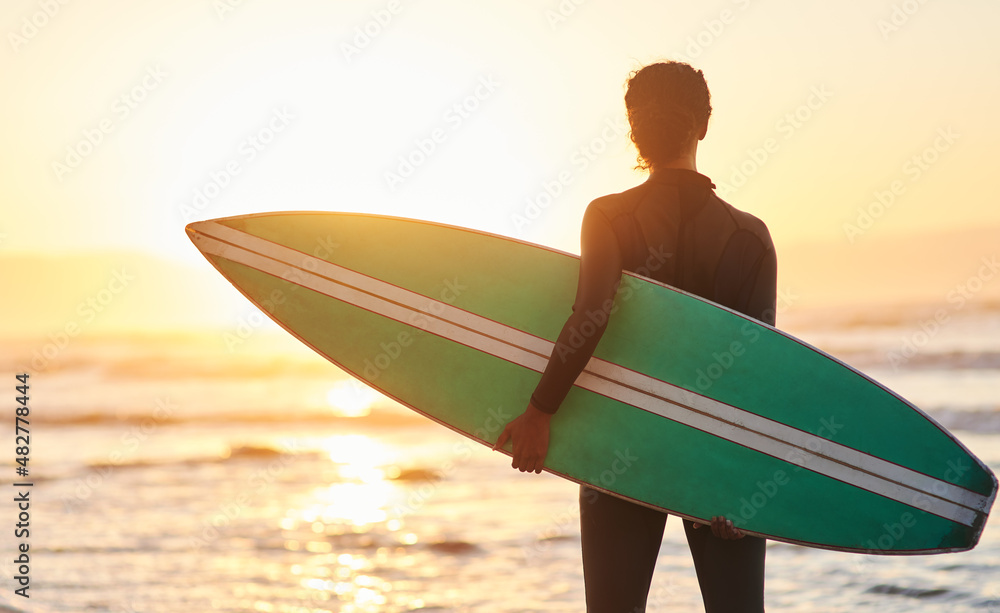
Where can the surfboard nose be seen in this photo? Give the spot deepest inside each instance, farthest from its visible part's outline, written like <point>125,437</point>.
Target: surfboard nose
<point>196,227</point>
<point>199,231</point>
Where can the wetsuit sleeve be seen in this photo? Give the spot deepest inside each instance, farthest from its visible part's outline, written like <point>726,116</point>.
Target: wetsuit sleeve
<point>600,274</point>
<point>762,304</point>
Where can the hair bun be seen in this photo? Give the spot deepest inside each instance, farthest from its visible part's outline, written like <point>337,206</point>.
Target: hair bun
<point>667,105</point>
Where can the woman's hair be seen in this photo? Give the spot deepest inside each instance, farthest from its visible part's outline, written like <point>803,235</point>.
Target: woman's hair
<point>668,104</point>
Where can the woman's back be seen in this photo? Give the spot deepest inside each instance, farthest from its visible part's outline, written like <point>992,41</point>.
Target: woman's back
<point>673,228</point>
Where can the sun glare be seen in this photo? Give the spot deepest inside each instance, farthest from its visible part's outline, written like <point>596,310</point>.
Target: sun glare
<point>351,399</point>
<point>361,497</point>
<point>357,504</point>
<point>357,449</point>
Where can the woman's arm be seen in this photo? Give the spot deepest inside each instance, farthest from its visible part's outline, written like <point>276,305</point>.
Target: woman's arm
<point>600,274</point>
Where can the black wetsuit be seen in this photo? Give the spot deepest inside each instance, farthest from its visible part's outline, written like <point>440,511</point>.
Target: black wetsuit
<point>672,228</point>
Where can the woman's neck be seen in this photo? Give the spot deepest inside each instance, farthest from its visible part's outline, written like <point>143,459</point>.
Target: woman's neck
<point>685,160</point>
<point>682,163</point>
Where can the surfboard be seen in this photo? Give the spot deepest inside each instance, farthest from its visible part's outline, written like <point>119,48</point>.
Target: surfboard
<point>686,406</point>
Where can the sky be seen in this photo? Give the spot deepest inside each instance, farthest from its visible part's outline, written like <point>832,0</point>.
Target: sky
<point>846,125</point>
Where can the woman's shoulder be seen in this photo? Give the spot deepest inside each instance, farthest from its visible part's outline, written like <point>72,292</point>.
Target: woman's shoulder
<point>745,221</point>
<point>620,203</point>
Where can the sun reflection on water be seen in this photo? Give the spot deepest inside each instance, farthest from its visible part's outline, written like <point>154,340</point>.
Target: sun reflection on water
<point>356,505</point>
<point>359,498</point>
<point>357,450</point>
<point>351,399</point>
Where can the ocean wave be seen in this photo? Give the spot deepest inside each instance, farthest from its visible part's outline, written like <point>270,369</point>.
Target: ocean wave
<point>453,547</point>
<point>412,474</point>
<point>349,537</point>
<point>911,592</point>
<point>954,360</point>
<point>868,358</point>
<point>6,607</point>
<point>97,419</point>
<point>377,418</point>
<point>882,316</point>
<point>985,420</point>
<point>235,454</point>
<point>245,453</point>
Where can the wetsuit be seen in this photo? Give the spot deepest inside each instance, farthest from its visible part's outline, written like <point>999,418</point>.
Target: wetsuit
<point>675,229</point>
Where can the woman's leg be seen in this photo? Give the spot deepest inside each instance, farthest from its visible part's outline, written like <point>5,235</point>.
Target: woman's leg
<point>620,541</point>
<point>730,572</point>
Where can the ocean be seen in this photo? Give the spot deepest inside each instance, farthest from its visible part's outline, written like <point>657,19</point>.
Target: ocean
<point>216,471</point>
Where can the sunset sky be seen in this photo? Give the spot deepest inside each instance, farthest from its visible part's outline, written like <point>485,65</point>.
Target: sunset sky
<point>844,125</point>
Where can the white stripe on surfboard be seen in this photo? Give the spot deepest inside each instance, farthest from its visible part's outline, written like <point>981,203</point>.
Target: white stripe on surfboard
<point>741,427</point>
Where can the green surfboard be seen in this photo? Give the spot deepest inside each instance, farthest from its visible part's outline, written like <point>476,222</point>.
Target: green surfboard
<point>702,412</point>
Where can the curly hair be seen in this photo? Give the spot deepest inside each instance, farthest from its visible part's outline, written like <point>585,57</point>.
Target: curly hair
<point>668,105</point>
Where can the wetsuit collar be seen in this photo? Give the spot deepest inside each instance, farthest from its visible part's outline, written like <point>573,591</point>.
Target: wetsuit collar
<point>680,176</point>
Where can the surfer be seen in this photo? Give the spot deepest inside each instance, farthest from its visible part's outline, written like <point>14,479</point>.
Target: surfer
<point>675,229</point>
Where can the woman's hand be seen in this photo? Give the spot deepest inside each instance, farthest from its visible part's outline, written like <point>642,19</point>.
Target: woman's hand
<point>724,529</point>
<point>530,435</point>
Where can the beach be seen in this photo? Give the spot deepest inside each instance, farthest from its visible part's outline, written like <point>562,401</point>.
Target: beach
<point>185,473</point>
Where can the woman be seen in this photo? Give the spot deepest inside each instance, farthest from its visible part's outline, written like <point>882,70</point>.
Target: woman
<point>672,228</point>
